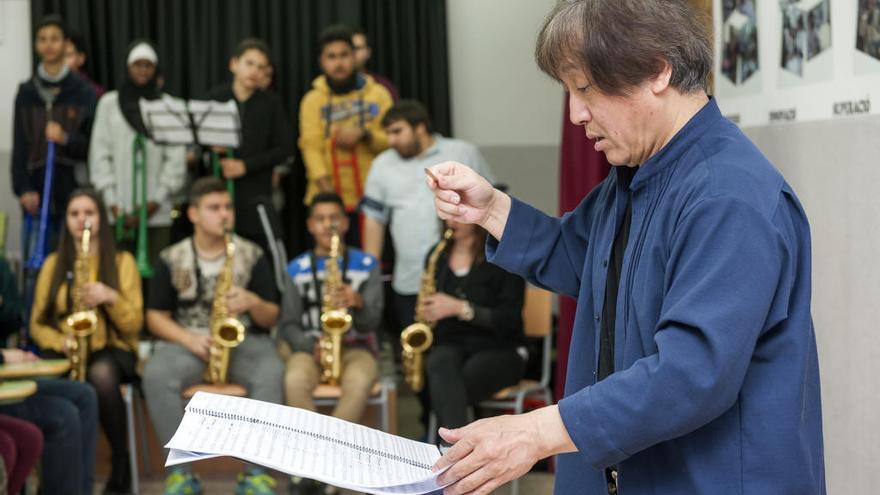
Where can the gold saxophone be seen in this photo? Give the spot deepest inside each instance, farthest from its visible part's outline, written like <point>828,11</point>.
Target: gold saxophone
<point>334,321</point>
<point>82,322</point>
<point>226,331</point>
<point>418,337</point>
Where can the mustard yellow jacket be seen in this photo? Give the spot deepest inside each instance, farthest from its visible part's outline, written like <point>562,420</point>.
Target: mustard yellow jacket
<point>126,313</point>
<point>321,112</point>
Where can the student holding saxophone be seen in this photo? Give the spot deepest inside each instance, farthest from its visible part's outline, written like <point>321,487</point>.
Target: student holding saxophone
<point>136,176</point>
<point>196,286</point>
<point>88,281</point>
<point>329,286</point>
<point>477,309</point>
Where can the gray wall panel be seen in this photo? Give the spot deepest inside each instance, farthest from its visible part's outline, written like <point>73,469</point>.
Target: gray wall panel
<point>833,166</point>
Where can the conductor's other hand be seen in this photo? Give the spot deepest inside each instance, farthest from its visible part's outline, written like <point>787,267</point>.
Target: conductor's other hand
<point>460,193</point>
<point>488,453</point>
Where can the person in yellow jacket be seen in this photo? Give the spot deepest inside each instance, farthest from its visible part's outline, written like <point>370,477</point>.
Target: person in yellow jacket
<point>340,124</point>
<point>115,295</point>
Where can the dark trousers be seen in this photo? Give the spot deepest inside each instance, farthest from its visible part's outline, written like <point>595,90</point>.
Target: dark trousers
<point>353,236</point>
<point>458,379</point>
<point>67,414</point>
<point>109,368</point>
<point>405,309</point>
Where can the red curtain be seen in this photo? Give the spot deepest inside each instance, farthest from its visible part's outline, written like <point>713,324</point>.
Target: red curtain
<point>581,168</point>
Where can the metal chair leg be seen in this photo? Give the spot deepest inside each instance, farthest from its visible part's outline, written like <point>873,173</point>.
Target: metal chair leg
<point>127,397</point>
<point>141,422</point>
<point>431,434</point>
<point>385,414</point>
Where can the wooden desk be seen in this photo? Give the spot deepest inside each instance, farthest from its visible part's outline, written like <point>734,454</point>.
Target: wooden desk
<point>34,369</point>
<point>16,391</point>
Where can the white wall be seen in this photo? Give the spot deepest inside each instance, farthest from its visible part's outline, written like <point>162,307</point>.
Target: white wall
<point>498,95</point>
<point>15,52</point>
<point>500,100</point>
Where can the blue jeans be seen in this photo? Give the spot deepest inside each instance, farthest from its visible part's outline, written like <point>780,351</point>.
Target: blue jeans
<point>67,414</point>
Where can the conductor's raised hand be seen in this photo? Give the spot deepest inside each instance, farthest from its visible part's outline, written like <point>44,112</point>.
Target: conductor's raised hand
<point>463,195</point>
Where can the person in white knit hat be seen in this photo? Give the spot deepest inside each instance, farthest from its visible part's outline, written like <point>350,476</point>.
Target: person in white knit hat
<point>118,130</point>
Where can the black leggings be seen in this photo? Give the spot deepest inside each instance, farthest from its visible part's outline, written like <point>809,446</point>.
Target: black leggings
<point>108,368</point>
<point>458,379</point>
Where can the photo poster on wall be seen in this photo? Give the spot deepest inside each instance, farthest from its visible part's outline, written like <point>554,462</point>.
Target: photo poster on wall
<point>780,61</point>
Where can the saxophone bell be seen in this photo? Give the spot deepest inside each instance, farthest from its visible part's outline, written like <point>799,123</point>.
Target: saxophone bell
<point>82,323</point>
<point>229,332</point>
<point>417,337</point>
<point>336,321</point>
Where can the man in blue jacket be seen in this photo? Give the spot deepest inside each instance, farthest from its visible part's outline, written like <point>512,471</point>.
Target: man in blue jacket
<point>693,363</point>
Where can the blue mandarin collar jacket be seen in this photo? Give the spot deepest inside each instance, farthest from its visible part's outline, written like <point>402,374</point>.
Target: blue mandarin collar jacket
<point>716,382</point>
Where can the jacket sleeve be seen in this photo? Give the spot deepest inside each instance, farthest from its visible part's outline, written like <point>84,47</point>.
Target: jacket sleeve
<point>311,137</point>
<point>374,203</point>
<point>290,328</point>
<point>378,139</point>
<point>367,318</point>
<point>714,309</point>
<point>504,317</point>
<point>172,173</point>
<point>280,150</point>
<point>127,313</point>
<point>45,336</point>
<point>10,301</point>
<point>545,250</point>
<point>101,169</point>
<point>21,182</point>
<point>77,145</point>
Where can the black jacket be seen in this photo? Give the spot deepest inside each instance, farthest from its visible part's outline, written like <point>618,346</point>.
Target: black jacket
<point>497,298</point>
<point>266,141</point>
<point>74,109</point>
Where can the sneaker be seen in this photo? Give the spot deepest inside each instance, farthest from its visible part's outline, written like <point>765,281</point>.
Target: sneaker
<point>301,486</point>
<point>255,482</point>
<point>325,489</point>
<point>181,482</point>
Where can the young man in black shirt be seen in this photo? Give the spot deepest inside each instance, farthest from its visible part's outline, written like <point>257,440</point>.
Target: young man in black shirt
<point>266,139</point>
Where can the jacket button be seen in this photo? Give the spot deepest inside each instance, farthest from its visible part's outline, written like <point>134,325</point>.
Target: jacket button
<point>604,262</point>
<point>596,317</point>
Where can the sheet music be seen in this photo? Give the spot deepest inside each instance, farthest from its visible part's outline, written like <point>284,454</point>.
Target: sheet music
<point>303,443</point>
<point>217,123</point>
<point>167,120</point>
